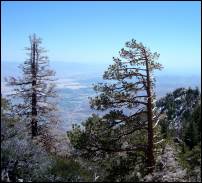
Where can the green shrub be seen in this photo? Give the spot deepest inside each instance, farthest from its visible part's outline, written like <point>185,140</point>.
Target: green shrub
<point>69,170</point>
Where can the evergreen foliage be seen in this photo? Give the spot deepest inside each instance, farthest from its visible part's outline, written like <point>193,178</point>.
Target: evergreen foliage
<point>128,103</point>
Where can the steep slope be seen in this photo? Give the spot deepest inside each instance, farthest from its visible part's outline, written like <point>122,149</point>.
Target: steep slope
<point>167,168</point>
<point>178,107</point>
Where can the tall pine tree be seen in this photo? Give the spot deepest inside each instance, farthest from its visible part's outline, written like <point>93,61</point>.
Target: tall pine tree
<point>35,88</point>
<point>128,103</point>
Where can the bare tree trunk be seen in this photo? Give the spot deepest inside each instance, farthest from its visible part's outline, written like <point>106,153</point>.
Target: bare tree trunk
<point>34,99</point>
<point>150,155</point>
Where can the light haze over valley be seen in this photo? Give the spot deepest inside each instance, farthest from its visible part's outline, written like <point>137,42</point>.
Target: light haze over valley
<point>75,81</point>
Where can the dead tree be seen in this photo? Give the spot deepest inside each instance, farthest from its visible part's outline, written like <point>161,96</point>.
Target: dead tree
<point>36,88</point>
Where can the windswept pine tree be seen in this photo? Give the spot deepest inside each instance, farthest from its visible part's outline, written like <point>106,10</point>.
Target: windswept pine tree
<point>128,104</point>
<point>35,88</point>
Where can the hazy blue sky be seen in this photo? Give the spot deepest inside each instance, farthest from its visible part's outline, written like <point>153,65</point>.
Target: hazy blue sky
<point>94,32</point>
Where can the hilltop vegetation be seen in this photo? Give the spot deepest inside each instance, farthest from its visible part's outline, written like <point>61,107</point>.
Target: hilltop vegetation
<point>178,157</point>
<point>35,164</point>
<point>183,123</point>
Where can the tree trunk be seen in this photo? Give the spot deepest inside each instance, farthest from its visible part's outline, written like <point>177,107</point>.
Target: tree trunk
<point>34,99</point>
<point>150,155</point>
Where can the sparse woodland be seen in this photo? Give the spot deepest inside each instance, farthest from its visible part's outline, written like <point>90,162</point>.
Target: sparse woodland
<point>136,138</point>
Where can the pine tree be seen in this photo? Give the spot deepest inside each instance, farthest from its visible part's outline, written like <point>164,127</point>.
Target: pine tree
<point>35,88</point>
<point>128,103</point>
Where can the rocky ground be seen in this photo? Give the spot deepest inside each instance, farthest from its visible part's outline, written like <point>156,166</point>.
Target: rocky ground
<point>168,168</point>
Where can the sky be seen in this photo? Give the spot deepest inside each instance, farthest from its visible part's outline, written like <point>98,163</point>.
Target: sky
<point>94,32</point>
